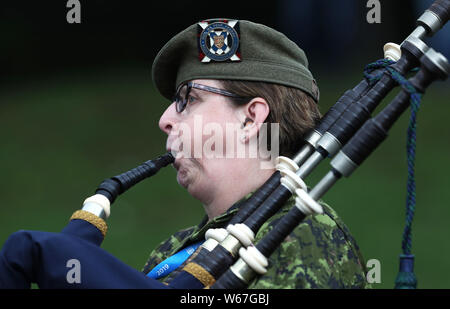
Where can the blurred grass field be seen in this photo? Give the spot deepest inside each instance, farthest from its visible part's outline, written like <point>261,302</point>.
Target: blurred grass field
<point>62,135</point>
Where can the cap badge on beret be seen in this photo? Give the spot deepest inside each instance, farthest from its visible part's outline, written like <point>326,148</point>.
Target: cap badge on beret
<point>218,40</point>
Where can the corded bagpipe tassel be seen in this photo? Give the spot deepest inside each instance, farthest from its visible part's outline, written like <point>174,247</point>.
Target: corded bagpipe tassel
<point>406,278</point>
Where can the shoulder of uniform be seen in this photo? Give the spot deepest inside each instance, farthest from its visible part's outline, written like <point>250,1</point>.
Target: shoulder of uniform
<point>313,253</point>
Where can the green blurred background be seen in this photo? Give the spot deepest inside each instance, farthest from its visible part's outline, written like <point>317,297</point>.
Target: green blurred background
<point>77,105</point>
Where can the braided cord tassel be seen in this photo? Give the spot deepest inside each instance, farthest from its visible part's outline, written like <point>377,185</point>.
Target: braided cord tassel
<point>406,279</point>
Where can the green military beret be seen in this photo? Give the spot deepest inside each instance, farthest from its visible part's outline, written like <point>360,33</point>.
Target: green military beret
<point>233,50</point>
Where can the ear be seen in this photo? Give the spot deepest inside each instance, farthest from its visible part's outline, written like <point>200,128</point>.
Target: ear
<point>257,111</point>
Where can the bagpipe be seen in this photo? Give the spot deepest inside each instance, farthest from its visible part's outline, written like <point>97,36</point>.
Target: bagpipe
<point>229,258</point>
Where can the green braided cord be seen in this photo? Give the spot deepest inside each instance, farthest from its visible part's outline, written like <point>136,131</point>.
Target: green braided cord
<point>406,278</point>
<point>381,63</point>
<point>411,184</point>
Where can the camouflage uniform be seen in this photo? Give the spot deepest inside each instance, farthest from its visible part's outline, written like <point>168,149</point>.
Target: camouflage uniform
<point>319,253</point>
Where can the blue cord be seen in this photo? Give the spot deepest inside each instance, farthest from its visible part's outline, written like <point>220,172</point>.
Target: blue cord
<point>406,279</point>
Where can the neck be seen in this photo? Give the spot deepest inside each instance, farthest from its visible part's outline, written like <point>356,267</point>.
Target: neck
<point>235,187</point>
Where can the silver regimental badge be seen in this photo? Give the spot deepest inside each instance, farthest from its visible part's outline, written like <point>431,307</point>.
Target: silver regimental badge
<point>218,40</point>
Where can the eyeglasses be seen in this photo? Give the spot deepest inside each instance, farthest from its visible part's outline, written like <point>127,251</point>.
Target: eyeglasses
<point>182,95</point>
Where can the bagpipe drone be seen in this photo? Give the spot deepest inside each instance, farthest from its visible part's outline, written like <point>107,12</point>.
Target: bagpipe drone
<point>229,258</point>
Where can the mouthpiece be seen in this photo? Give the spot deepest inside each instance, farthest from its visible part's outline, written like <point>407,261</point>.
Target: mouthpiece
<point>114,186</point>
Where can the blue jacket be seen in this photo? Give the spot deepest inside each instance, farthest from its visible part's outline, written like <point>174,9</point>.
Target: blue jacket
<point>71,259</point>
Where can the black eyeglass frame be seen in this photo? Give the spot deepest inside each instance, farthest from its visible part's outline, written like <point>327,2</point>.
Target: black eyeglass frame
<point>181,103</point>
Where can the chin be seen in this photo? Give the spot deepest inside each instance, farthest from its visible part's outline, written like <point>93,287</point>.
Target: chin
<point>187,182</point>
<point>182,178</point>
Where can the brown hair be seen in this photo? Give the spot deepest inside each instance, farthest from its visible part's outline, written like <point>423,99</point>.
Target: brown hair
<point>294,110</point>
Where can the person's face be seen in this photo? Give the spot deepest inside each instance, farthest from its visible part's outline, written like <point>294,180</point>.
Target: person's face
<point>198,134</point>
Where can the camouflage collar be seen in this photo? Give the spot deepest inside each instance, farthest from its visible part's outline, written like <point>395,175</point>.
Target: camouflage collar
<point>197,233</point>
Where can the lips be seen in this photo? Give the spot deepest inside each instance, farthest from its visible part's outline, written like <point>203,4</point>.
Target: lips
<point>176,163</point>
<point>173,152</point>
<point>175,147</point>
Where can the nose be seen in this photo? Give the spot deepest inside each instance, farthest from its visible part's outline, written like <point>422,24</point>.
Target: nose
<point>168,119</point>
